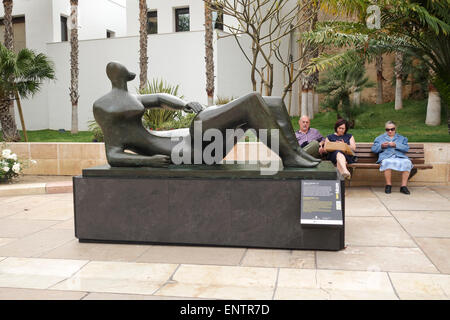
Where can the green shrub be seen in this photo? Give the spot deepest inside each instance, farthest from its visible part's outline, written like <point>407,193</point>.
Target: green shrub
<point>223,100</point>
<point>177,123</point>
<point>154,118</point>
<point>96,131</point>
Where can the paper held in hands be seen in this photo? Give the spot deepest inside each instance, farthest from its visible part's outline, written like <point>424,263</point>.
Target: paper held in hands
<point>339,146</point>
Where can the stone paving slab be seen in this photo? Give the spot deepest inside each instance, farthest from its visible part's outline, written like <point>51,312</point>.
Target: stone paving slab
<point>438,251</point>
<point>19,228</point>
<point>4,241</point>
<point>59,187</point>
<point>302,259</point>
<point>442,190</point>
<point>192,255</point>
<point>421,198</point>
<point>425,223</point>
<point>116,296</point>
<point>96,251</point>
<point>221,282</point>
<point>376,231</point>
<point>35,294</point>
<point>54,210</point>
<point>359,192</point>
<point>36,244</point>
<point>376,259</point>
<point>365,207</point>
<point>333,284</point>
<point>36,273</point>
<point>27,203</point>
<point>68,225</point>
<point>421,286</point>
<point>409,246</point>
<point>119,277</point>
<point>22,189</point>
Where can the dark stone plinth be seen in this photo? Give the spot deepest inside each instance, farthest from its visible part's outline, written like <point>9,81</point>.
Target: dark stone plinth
<point>228,205</point>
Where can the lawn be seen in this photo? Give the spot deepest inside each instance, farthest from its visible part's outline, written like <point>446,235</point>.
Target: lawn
<point>369,124</point>
<point>56,136</point>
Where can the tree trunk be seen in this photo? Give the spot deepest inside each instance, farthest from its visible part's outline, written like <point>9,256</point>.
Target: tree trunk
<point>143,38</point>
<point>8,122</point>
<point>22,120</point>
<point>310,103</point>
<point>398,81</point>
<point>307,52</point>
<point>379,67</point>
<point>357,98</point>
<point>434,107</point>
<point>316,102</point>
<point>9,127</point>
<point>74,64</point>
<point>304,103</point>
<point>209,51</point>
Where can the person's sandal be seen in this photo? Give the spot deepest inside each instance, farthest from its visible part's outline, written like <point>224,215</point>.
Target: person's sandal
<point>404,190</point>
<point>387,189</point>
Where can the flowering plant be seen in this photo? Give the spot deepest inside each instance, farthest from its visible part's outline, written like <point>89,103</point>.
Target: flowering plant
<point>10,166</point>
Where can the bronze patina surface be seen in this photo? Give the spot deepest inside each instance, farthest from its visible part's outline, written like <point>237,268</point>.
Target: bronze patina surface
<point>119,114</point>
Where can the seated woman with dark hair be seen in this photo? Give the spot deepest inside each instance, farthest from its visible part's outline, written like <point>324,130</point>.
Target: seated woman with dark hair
<point>339,158</point>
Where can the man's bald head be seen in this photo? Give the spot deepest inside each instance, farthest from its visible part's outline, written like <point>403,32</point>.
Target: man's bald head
<point>304,123</point>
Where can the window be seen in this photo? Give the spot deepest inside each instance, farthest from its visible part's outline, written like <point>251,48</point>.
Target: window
<point>152,22</point>
<point>217,14</point>
<point>64,35</point>
<point>19,32</point>
<point>182,19</point>
<point>110,34</point>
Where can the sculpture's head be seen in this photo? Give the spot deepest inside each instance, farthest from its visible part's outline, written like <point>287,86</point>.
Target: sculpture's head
<point>117,72</point>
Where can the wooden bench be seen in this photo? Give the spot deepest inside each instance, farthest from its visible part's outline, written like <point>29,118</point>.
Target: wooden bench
<point>367,159</point>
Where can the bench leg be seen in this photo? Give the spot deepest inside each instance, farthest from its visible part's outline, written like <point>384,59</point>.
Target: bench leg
<point>412,173</point>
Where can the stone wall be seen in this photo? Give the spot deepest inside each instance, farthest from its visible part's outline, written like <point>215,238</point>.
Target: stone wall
<point>70,158</point>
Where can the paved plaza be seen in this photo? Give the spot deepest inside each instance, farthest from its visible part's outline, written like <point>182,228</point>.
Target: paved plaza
<point>398,247</point>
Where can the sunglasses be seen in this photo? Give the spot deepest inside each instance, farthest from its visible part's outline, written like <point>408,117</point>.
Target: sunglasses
<point>391,129</point>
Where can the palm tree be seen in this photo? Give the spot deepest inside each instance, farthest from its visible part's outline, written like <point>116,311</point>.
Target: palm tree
<point>7,119</point>
<point>143,39</point>
<point>308,51</point>
<point>28,70</point>
<point>209,58</point>
<point>420,28</point>
<point>74,96</point>
<point>398,80</point>
<point>380,78</point>
<point>339,84</point>
<point>358,8</point>
<point>433,117</point>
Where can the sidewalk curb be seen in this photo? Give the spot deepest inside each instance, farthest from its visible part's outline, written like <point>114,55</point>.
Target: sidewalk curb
<point>35,188</point>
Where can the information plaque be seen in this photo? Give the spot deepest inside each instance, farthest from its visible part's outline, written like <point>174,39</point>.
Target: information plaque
<point>321,202</point>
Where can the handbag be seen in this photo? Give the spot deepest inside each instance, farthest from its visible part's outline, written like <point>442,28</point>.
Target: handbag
<point>338,146</point>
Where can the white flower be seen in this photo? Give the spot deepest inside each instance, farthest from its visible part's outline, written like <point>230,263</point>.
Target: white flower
<point>16,168</point>
<point>6,169</point>
<point>6,153</point>
<point>13,156</point>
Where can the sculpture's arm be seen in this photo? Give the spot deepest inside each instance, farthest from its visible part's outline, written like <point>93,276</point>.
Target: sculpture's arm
<point>161,100</point>
<point>167,101</point>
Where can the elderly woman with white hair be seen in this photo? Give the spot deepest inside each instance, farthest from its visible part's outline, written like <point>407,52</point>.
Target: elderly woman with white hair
<point>392,149</point>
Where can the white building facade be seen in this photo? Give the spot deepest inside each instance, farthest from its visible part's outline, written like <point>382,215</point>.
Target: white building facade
<point>177,57</point>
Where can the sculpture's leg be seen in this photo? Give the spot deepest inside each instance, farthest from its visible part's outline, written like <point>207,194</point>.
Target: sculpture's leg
<point>279,112</point>
<point>118,158</point>
<point>250,111</point>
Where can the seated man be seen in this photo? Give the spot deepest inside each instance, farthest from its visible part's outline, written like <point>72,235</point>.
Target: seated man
<point>310,139</point>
